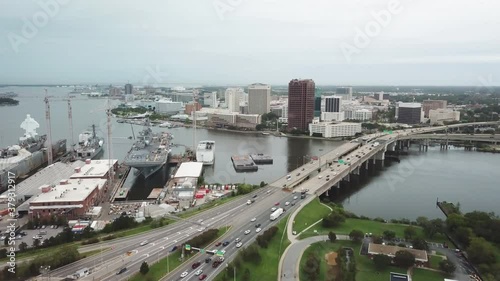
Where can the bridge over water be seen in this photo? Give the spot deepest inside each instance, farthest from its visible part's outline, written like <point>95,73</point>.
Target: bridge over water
<point>350,158</point>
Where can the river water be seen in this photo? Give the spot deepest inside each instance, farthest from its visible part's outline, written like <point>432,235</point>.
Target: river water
<point>400,190</point>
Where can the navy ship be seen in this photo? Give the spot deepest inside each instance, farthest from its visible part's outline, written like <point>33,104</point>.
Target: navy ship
<point>150,152</point>
<point>30,154</point>
<point>89,145</point>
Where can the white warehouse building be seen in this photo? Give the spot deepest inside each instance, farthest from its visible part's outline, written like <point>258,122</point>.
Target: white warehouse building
<point>334,129</point>
<point>439,116</point>
<point>167,106</point>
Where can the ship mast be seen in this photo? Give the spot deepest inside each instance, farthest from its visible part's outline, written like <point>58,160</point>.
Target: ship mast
<point>49,134</point>
<point>70,118</point>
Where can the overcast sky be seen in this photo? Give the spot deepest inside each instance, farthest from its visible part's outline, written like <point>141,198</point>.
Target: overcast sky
<point>424,42</point>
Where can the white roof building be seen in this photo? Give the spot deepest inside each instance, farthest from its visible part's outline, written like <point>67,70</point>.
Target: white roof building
<point>94,169</point>
<point>75,190</point>
<point>189,170</point>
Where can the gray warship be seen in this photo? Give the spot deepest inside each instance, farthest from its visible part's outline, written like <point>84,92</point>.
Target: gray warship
<point>150,152</point>
<point>29,155</point>
<point>89,145</point>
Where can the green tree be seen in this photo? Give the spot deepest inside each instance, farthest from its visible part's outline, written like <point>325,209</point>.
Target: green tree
<point>420,244</point>
<point>262,184</point>
<point>144,268</point>
<point>421,221</point>
<point>332,236</point>
<point>454,221</point>
<point>481,251</point>
<point>389,234</point>
<point>433,227</point>
<point>410,232</point>
<point>404,259</point>
<point>381,262</point>
<point>356,235</point>
<point>464,235</point>
<point>447,266</point>
<point>246,275</point>
<point>311,268</point>
<point>23,246</point>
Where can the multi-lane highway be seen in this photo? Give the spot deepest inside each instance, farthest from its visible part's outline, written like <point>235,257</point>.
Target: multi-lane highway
<point>261,212</point>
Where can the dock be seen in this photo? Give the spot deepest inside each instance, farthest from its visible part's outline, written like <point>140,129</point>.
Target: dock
<point>244,163</point>
<point>261,159</point>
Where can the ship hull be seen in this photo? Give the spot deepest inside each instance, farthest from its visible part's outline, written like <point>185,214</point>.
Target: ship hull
<point>80,155</point>
<point>28,165</point>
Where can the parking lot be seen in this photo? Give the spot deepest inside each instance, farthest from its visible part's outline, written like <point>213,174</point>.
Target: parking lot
<point>45,233</point>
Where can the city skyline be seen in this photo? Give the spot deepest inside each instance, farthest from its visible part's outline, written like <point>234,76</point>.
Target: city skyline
<point>215,44</point>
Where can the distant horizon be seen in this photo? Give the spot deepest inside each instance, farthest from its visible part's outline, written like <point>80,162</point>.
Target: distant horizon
<point>169,85</point>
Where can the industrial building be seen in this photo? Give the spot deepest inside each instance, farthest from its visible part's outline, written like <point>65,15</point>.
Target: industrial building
<point>185,179</point>
<point>334,129</point>
<point>421,257</point>
<point>71,198</point>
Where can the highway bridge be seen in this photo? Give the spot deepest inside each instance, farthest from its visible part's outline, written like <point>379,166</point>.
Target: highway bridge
<point>316,176</point>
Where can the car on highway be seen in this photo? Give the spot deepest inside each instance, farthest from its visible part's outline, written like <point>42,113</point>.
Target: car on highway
<point>293,203</point>
<point>277,204</point>
<point>253,219</point>
<point>247,232</point>
<point>123,269</point>
<point>184,274</point>
<point>145,242</point>
<point>207,260</point>
<point>199,272</point>
<point>320,177</point>
<point>257,225</point>
<point>202,277</point>
<point>239,245</point>
<point>295,198</point>
<point>195,265</point>
<point>298,174</point>
<point>273,209</point>
<point>216,264</point>
<point>237,240</point>
<point>255,196</point>
<point>258,230</point>
<point>287,203</point>
<point>218,244</point>
<point>173,249</point>
<point>225,243</point>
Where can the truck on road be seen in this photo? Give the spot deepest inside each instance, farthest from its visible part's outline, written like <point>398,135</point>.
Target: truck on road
<point>276,214</point>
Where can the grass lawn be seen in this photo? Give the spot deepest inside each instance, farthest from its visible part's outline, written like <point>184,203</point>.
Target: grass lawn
<point>320,249</point>
<point>310,214</point>
<point>434,261</point>
<point>198,209</point>
<point>368,226</point>
<point>158,270</point>
<point>267,270</point>
<point>426,275</point>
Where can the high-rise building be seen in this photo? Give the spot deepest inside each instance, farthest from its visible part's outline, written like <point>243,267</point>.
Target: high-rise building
<point>210,99</point>
<point>331,103</point>
<point>259,98</point>
<point>300,104</point>
<point>345,92</point>
<point>128,89</point>
<point>233,99</point>
<point>433,104</point>
<point>409,113</point>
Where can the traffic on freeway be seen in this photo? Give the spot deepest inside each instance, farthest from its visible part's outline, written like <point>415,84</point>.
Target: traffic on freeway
<point>240,237</point>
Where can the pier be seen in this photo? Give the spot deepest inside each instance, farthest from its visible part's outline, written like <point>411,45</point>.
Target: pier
<point>244,163</point>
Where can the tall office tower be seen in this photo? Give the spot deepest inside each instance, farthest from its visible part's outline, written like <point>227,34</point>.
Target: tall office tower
<point>345,92</point>
<point>233,99</point>
<point>331,108</point>
<point>300,104</point>
<point>409,113</point>
<point>259,98</point>
<point>128,89</point>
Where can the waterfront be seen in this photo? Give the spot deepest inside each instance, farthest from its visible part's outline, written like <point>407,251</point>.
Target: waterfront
<point>409,189</point>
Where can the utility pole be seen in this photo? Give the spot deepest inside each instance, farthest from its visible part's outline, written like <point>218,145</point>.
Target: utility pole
<point>49,134</point>
<point>110,155</point>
